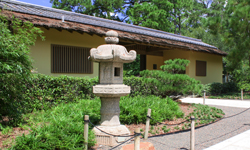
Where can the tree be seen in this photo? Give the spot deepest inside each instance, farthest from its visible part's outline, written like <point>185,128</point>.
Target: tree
<point>153,14</point>
<point>237,34</point>
<point>15,64</point>
<point>100,8</point>
<point>166,15</point>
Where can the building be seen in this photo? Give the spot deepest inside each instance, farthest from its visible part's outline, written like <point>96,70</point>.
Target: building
<point>69,37</point>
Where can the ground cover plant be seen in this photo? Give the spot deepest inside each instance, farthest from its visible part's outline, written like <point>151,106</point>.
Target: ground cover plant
<point>234,95</point>
<point>205,112</point>
<point>61,127</point>
<point>133,110</point>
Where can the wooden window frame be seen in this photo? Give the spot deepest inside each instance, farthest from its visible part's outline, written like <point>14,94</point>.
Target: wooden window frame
<point>201,68</point>
<point>70,59</point>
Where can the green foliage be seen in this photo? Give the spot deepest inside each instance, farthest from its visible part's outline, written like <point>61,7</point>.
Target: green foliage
<point>166,15</point>
<point>61,127</point>
<point>205,112</point>
<point>132,68</point>
<point>233,95</point>
<point>237,33</point>
<point>44,92</point>
<point>166,83</point>
<point>165,130</point>
<point>15,64</point>
<point>100,8</point>
<point>133,110</point>
<point>47,91</point>
<point>215,88</point>
<point>221,88</point>
<point>175,66</point>
<point>152,14</point>
<point>137,86</point>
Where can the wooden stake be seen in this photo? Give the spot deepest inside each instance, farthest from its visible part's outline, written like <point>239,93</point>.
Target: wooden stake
<point>147,124</point>
<point>242,94</point>
<point>137,139</point>
<point>192,138</point>
<point>86,130</point>
<point>204,96</point>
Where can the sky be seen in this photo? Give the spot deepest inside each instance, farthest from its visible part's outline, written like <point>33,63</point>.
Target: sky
<point>38,2</point>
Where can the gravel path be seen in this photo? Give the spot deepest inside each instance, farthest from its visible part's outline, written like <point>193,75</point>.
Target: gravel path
<point>205,136</point>
<point>208,135</point>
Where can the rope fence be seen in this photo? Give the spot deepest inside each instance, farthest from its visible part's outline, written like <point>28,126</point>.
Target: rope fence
<point>137,133</point>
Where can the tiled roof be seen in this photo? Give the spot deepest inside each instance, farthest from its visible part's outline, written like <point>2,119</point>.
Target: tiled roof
<point>53,13</point>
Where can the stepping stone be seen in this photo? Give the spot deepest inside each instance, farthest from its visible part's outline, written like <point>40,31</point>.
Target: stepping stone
<point>143,146</point>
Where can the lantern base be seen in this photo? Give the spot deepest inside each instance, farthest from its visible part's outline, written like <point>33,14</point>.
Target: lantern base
<point>106,139</point>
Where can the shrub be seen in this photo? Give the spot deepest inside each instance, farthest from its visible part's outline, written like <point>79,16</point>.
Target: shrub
<point>61,127</point>
<point>229,87</point>
<point>137,86</point>
<point>47,91</point>
<point>219,88</point>
<point>215,88</point>
<point>15,64</point>
<point>171,80</point>
<point>134,110</point>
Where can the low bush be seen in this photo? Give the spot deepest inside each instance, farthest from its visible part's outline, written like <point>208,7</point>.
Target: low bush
<point>47,91</point>
<point>205,112</point>
<point>138,87</point>
<point>215,88</point>
<point>221,88</point>
<point>61,127</point>
<point>134,110</point>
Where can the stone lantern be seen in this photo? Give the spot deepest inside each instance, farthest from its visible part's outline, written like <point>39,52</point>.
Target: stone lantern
<point>110,88</point>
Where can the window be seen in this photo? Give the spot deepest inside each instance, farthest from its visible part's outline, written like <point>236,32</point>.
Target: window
<point>70,59</point>
<point>117,72</point>
<point>154,66</point>
<point>201,68</point>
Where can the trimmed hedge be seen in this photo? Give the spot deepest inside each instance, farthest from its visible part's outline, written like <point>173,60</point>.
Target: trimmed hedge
<point>47,91</point>
<point>44,92</point>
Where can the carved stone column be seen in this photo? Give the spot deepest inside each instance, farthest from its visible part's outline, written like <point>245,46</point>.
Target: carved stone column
<point>110,88</point>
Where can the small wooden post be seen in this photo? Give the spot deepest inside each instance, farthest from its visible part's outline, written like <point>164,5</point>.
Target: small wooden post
<point>192,139</point>
<point>86,130</point>
<point>242,94</point>
<point>204,96</point>
<point>147,124</point>
<point>137,139</point>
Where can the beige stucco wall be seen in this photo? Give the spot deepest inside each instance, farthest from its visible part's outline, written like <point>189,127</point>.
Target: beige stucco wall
<point>150,60</point>
<point>214,67</point>
<point>214,64</point>
<point>41,52</point>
